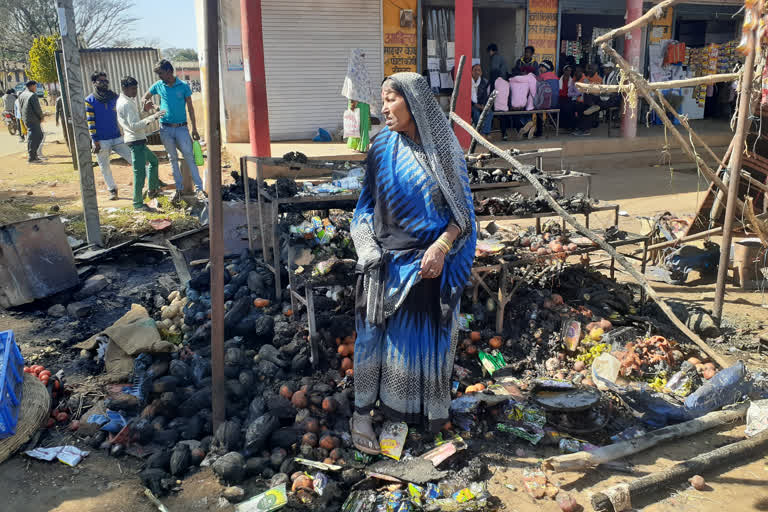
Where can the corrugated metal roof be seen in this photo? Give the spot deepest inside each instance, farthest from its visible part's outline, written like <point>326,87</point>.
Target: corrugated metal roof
<point>117,48</point>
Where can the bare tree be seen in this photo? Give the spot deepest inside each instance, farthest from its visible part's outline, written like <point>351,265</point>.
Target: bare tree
<point>99,22</point>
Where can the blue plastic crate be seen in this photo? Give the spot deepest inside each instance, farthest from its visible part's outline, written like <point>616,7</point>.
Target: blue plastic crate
<point>11,383</point>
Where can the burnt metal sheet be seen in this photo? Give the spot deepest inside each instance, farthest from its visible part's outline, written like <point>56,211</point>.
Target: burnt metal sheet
<point>35,261</point>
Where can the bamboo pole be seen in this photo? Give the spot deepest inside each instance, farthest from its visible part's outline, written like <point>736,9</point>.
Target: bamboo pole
<point>739,452</point>
<point>642,90</point>
<point>734,170</point>
<point>717,205</point>
<point>593,237</point>
<point>582,460</point>
<point>671,84</point>
<point>652,14</point>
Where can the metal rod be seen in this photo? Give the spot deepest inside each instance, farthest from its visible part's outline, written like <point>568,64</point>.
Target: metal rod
<point>247,191</point>
<point>734,168</point>
<point>594,238</point>
<point>215,224</point>
<point>82,138</point>
<point>481,119</point>
<point>457,84</point>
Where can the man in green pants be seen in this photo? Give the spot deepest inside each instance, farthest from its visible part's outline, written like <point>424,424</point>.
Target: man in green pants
<point>134,135</point>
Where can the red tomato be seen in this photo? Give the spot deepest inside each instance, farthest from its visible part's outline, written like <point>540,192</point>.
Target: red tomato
<point>44,380</point>
<point>45,372</point>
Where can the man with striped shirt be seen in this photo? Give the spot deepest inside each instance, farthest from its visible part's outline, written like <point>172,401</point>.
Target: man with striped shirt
<point>101,113</point>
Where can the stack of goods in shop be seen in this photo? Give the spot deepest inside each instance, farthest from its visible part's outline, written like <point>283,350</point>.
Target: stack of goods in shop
<point>571,48</point>
<point>710,60</point>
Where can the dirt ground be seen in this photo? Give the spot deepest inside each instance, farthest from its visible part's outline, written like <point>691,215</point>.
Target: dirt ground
<point>99,483</point>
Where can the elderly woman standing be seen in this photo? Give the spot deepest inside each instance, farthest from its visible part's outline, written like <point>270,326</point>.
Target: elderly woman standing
<point>414,231</point>
<point>358,90</point>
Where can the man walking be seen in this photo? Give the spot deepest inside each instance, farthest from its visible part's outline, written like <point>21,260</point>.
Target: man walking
<point>175,100</point>
<point>101,114</point>
<point>32,116</point>
<point>135,130</point>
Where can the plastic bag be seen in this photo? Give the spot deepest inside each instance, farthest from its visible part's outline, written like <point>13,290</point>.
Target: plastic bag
<point>725,388</point>
<point>352,123</point>
<point>757,418</point>
<point>198,151</point>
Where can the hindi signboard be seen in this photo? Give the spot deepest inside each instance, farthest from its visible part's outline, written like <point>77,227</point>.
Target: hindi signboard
<point>543,29</point>
<point>399,32</point>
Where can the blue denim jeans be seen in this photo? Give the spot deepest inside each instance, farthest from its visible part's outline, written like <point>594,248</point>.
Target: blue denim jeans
<point>174,137</point>
<point>486,128</point>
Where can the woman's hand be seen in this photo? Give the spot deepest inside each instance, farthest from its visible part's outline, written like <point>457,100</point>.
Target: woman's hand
<point>432,263</point>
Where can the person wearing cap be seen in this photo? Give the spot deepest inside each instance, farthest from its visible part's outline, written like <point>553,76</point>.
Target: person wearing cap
<point>32,115</point>
<point>547,75</point>
<point>611,78</point>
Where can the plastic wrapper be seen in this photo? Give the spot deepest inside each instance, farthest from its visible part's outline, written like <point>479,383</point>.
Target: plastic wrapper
<point>392,439</point>
<point>684,381</point>
<point>267,501</point>
<point>360,501</point>
<point>319,483</point>
<point>69,455</point>
<point>491,362</point>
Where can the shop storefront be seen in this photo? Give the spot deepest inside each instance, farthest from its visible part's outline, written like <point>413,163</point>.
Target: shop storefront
<point>703,42</point>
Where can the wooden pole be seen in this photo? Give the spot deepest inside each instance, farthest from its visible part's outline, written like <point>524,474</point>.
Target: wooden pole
<point>457,84</point>
<point>215,224</point>
<point>582,460</point>
<point>65,123</point>
<point>652,14</point>
<point>671,84</point>
<point>739,452</point>
<point>734,172</point>
<point>543,192</point>
<point>717,206</point>
<point>82,139</point>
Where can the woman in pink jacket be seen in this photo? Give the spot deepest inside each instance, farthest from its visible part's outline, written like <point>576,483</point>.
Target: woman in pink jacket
<point>522,90</point>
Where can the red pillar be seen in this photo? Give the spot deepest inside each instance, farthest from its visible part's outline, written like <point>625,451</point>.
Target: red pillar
<point>632,55</point>
<point>255,77</point>
<point>464,47</point>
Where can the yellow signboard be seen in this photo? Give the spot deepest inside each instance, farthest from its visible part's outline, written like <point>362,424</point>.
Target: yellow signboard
<point>542,29</point>
<point>661,28</point>
<point>400,39</point>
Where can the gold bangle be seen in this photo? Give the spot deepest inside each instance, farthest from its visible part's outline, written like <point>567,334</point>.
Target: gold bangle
<point>443,246</point>
<point>447,242</point>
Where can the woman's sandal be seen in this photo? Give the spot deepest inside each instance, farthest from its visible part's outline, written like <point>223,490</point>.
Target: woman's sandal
<point>361,441</point>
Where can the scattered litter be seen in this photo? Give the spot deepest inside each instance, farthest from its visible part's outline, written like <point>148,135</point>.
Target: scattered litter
<point>69,455</point>
<point>273,499</point>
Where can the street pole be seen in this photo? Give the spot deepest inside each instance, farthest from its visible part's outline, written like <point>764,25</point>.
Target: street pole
<point>734,170</point>
<point>215,216</point>
<point>632,55</point>
<point>255,77</point>
<point>82,139</point>
<point>65,123</point>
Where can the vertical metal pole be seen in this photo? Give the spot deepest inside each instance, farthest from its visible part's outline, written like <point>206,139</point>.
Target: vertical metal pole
<point>215,225</point>
<point>734,171</point>
<point>255,77</point>
<point>463,46</point>
<point>82,140</point>
<point>632,44</point>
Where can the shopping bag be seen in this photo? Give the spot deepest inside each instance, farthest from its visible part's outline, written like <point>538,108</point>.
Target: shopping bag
<point>352,123</point>
<point>198,151</point>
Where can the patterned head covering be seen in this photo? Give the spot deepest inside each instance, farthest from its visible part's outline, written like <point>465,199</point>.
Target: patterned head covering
<point>357,83</point>
<point>445,159</point>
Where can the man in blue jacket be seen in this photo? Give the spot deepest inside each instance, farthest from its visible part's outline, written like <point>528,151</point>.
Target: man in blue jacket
<point>101,114</point>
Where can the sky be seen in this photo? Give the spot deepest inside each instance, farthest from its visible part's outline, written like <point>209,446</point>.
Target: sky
<point>172,22</point>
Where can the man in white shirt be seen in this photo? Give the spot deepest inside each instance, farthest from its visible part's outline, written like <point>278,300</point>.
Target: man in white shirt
<point>480,93</point>
<point>135,136</point>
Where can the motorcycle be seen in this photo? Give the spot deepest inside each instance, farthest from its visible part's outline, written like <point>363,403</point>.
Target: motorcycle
<point>10,122</point>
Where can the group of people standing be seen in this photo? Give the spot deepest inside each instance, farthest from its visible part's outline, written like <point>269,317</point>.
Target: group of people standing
<point>535,86</point>
<point>109,113</point>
